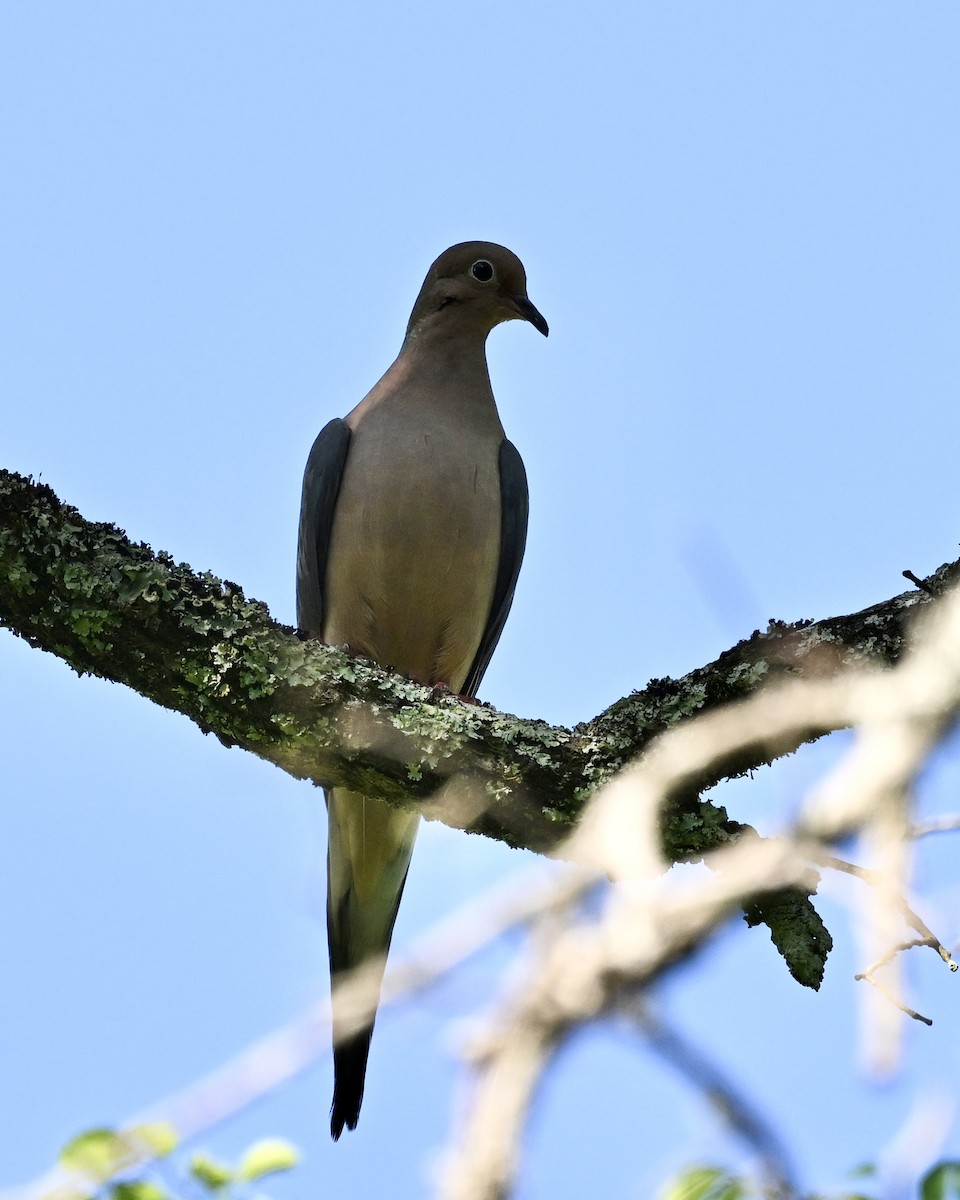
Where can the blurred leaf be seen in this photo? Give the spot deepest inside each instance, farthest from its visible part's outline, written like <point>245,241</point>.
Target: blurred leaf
<point>702,1183</point>
<point>98,1153</point>
<point>138,1189</point>
<point>158,1138</point>
<point>942,1183</point>
<point>212,1174</point>
<point>863,1170</point>
<point>267,1157</point>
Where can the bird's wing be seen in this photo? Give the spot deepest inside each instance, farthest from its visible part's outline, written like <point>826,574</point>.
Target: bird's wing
<point>369,844</point>
<point>514,508</point>
<point>321,486</point>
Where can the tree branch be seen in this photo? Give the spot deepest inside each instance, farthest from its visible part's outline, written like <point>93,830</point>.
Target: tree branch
<point>195,644</point>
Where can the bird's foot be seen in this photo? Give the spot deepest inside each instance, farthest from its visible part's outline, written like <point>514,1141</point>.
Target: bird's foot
<point>444,690</point>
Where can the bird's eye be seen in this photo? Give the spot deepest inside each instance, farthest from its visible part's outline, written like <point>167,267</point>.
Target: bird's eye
<point>482,270</point>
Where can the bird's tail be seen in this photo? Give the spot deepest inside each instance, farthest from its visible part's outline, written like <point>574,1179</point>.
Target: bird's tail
<point>368,855</point>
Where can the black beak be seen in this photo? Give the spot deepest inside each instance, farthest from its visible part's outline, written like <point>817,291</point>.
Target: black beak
<point>530,313</point>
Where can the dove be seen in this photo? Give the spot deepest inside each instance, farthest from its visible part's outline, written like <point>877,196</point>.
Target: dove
<point>412,529</point>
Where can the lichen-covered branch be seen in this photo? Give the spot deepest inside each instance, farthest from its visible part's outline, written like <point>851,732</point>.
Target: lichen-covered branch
<point>195,644</point>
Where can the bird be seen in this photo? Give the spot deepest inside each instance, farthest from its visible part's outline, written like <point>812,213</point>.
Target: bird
<point>413,524</point>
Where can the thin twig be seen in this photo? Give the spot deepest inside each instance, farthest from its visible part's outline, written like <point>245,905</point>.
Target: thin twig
<point>875,879</point>
<point>919,582</point>
<point>869,976</point>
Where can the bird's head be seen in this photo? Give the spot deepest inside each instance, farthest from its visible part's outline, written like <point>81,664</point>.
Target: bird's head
<point>474,286</point>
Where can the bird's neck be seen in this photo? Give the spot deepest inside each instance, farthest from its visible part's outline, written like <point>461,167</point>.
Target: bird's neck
<point>446,341</point>
<point>436,373</point>
<point>458,357</point>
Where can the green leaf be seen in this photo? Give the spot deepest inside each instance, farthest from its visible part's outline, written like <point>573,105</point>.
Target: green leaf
<point>98,1153</point>
<point>137,1189</point>
<point>158,1138</point>
<point>212,1174</point>
<point>942,1182</point>
<point>864,1170</point>
<point>267,1157</point>
<point>702,1183</point>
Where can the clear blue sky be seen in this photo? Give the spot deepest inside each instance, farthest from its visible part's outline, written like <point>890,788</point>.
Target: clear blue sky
<point>742,221</point>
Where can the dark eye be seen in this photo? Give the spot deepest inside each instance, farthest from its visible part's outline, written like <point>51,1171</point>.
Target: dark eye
<point>482,270</point>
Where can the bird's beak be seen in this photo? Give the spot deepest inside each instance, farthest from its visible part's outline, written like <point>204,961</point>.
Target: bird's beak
<point>528,312</point>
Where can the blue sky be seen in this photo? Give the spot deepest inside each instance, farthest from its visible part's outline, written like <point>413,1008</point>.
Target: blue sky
<point>740,220</point>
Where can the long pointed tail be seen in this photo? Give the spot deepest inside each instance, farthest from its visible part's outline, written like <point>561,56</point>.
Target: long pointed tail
<point>349,1073</point>
<point>368,855</point>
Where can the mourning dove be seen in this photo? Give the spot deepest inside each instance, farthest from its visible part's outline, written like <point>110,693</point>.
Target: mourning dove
<point>412,529</point>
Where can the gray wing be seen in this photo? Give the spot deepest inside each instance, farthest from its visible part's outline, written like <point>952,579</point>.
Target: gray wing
<point>321,486</point>
<point>514,508</point>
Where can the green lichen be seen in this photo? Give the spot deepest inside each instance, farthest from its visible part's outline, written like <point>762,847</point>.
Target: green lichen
<point>746,677</point>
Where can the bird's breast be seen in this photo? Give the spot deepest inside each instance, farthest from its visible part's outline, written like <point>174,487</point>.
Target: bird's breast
<point>415,543</point>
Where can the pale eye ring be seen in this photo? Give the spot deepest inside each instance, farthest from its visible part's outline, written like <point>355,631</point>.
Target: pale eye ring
<point>482,271</point>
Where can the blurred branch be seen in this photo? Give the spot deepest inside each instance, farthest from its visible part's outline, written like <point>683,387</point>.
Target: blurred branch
<point>944,824</point>
<point>195,644</point>
<point>582,967</point>
<point>745,1120</point>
